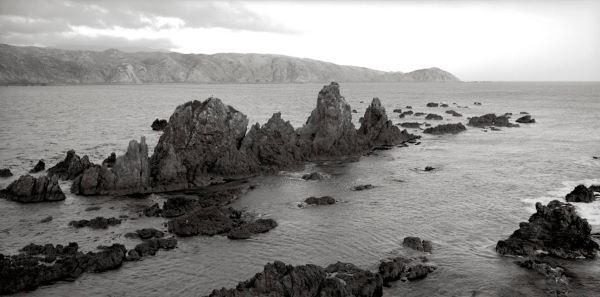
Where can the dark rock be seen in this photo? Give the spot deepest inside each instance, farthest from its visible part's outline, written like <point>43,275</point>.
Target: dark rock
<point>5,172</point>
<point>159,125</point>
<point>151,246</point>
<point>525,120</point>
<point>70,167</point>
<point>476,103</point>
<point>523,112</point>
<point>453,113</point>
<point>133,255</point>
<point>555,229</point>
<point>446,129</point>
<point>110,160</point>
<point>354,111</point>
<point>416,243</point>
<point>376,129</point>
<point>495,129</point>
<point>40,166</point>
<point>46,219</point>
<point>178,206</point>
<point>133,235</point>
<point>203,221</point>
<point>410,125</point>
<point>444,105</point>
<point>490,120</point>
<point>556,283</point>
<point>397,110</point>
<point>148,233</point>
<point>96,223</point>
<point>313,176</point>
<point>153,211</point>
<point>324,200</point>
<point>581,194</point>
<point>419,114</point>
<point>363,187</point>
<point>432,104</point>
<point>595,188</point>
<point>408,107</point>
<point>93,208</point>
<point>433,116</point>
<point>28,189</point>
<point>246,230</point>
<point>402,268</point>
<point>429,168</point>
<point>279,279</point>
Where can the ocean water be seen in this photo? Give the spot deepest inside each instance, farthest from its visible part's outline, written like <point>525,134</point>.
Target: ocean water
<point>484,185</point>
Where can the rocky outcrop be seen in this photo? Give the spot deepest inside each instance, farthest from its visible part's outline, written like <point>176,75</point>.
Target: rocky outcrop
<point>555,229</point>
<point>96,223</point>
<point>5,172</point>
<point>433,116</point>
<point>376,130</point>
<point>446,129</point>
<point>417,244</point>
<point>110,160</point>
<point>207,221</point>
<point>279,279</point>
<point>323,200</point>
<point>581,194</point>
<point>159,125</point>
<point>432,104</point>
<point>405,269</point>
<point>70,167</point>
<point>525,120</point>
<point>247,229</point>
<point>40,166</point>
<point>28,189</point>
<point>129,174</point>
<point>491,119</point>
<point>178,206</point>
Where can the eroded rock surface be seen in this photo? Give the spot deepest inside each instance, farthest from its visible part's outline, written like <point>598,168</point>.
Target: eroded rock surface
<point>581,194</point>
<point>70,167</point>
<point>28,189</point>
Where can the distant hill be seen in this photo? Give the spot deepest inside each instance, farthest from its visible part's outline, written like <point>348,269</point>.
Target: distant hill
<point>36,65</point>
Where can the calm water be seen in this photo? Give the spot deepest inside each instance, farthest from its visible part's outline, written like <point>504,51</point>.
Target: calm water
<point>486,184</point>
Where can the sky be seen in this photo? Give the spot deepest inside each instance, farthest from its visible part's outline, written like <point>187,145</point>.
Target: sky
<point>501,40</point>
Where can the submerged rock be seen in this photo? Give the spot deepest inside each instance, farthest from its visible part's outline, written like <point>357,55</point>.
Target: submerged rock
<point>555,229</point>
<point>433,116</point>
<point>557,283</point>
<point>402,268</point>
<point>446,129</point>
<point>150,247</point>
<point>40,166</point>
<point>432,104</point>
<point>70,167</point>
<point>490,119</point>
<point>178,206</point>
<point>453,113</point>
<point>279,279</point>
<point>363,187</point>
<point>313,176</point>
<point>28,189</point>
<point>5,172</point>
<point>525,120</point>
<point>96,223</point>
<point>419,114</point>
<point>323,200</point>
<point>417,244</point>
<point>46,219</point>
<point>581,194</point>
<point>159,124</point>
<point>246,230</point>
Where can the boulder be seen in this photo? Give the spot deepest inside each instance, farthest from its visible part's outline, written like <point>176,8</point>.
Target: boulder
<point>453,113</point>
<point>595,188</point>
<point>323,200</point>
<point>40,166</point>
<point>408,112</point>
<point>555,229</point>
<point>151,246</point>
<point>433,116</point>
<point>5,172</point>
<point>148,233</point>
<point>96,223</point>
<point>432,104</point>
<point>429,168</point>
<point>444,105</point>
<point>28,189</point>
<point>247,229</point>
<point>525,120</point>
<point>313,176</point>
<point>159,125</point>
<point>476,103</point>
<point>46,219</point>
<point>446,129</point>
<point>403,268</point>
<point>581,194</point>
<point>417,244</point>
<point>490,119</point>
<point>70,167</point>
<point>110,160</point>
<point>203,221</point>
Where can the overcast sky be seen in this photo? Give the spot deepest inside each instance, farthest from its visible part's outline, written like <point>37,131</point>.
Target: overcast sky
<point>475,40</point>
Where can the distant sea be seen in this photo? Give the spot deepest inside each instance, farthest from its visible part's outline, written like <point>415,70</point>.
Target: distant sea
<point>486,182</point>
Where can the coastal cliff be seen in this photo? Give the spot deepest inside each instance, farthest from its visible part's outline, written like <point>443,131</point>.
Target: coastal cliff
<point>36,65</point>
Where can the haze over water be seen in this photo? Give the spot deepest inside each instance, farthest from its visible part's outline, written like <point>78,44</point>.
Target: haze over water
<point>484,185</point>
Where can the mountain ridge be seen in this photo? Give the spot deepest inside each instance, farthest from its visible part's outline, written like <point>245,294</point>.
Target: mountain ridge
<point>38,65</point>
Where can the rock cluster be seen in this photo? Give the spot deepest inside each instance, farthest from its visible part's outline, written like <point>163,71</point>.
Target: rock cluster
<point>70,167</point>
<point>96,223</point>
<point>323,200</point>
<point>581,194</point>
<point>408,112</point>
<point>31,189</point>
<point>491,119</point>
<point>159,125</point>
<point>555,229</point>
<point>446,129</point>
<point>417,244</point>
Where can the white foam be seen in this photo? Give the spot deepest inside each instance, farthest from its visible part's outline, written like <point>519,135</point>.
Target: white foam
<point>589,211</point>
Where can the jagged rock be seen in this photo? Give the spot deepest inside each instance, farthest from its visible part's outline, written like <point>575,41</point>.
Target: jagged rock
<point>96,223</point>
<point>313,176</point>
<point>490,119</point>
<point>203,221</point>
<point>329,131</point>
<point>70,167</point>
<point>581,194</point>
<point>453,113</point>
<point>44,265</point>
<point>525,120</point>
<point>279,279</point>
<point>110,160</point>
<point>363,187</point>
<point>432,104</point>
<point>402,268</point>
<point>246,230</point>
<point>557,283</point>
<point>416,243</point>
<point>446,129</point>
<point>28,189</point>
<point>324,200</point>
<point>129,174</point>
<point>273,146</point>
<point>178,206</point>
<point>433,116</point>
<point>40,166</point>
<point>419,114</point>
<point>555,229</point>
<point>200,146</point>
<point>412,125</point>
<point>148,233</point>
<point>159,125</point>
<point>5,172</point>
<point>377,130</point>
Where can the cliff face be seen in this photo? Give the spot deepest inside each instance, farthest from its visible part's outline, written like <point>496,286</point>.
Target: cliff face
<point>35,65</point>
